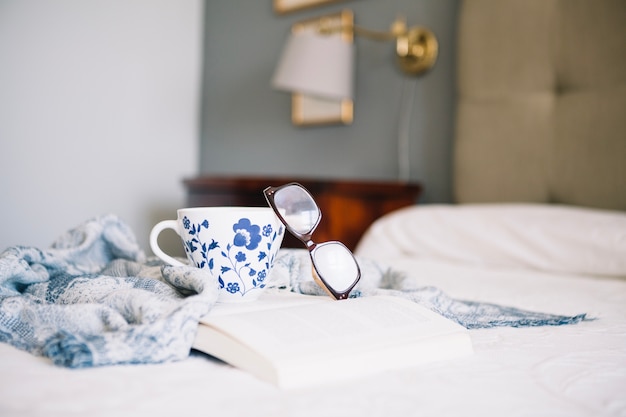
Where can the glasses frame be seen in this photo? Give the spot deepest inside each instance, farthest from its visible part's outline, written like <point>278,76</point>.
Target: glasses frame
<point>307,240</point>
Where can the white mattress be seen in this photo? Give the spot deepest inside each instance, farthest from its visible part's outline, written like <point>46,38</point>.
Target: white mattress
<point>577,370</point>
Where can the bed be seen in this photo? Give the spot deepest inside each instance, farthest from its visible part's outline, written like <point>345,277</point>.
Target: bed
<point>539,224</point>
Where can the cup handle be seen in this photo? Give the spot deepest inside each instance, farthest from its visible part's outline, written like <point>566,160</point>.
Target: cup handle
<point>154,244</point>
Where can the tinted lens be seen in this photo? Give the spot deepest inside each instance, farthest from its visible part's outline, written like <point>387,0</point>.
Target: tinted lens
<point>336,265</point>
<point>297,208</point>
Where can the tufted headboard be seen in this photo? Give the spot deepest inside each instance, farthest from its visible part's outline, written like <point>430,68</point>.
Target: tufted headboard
<point>541,113</point>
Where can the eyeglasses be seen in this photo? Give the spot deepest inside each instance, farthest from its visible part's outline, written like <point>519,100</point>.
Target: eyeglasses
<point>334,267</point>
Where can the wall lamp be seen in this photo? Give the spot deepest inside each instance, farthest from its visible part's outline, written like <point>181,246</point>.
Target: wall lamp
<point>317,64</point>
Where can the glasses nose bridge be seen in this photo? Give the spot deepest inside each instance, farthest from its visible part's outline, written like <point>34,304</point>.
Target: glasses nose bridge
<point>310,245</point>
<point>306,239</point>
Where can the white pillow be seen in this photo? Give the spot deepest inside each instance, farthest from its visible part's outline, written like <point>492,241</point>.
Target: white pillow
<point>545,237</point>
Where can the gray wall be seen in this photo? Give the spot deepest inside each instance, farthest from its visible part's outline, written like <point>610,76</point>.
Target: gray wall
<point>246,127</point>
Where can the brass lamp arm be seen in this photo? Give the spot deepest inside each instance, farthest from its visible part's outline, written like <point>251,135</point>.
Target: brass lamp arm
<point>416,47</point>
<point>373,34</point>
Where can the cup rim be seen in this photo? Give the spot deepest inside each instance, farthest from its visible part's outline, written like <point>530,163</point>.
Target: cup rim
<point>224,208</point>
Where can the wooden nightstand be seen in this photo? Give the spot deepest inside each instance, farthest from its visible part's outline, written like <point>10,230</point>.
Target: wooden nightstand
<point>348,207</point>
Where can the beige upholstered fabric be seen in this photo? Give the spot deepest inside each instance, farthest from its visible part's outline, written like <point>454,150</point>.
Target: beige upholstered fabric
<point>542,102</point>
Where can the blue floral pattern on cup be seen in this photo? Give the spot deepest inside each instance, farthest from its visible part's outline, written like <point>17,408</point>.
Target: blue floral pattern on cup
<point>250,242</point>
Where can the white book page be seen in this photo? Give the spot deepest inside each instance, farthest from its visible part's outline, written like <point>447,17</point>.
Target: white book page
<point>319,326</point>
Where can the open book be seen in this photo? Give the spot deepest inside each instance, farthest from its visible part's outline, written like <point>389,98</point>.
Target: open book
<point>294,340</point>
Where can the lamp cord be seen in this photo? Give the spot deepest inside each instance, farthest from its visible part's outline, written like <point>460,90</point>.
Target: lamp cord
<point>404,129</point>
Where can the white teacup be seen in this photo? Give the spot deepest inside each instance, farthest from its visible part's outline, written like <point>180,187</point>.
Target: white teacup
<point>237,245</point>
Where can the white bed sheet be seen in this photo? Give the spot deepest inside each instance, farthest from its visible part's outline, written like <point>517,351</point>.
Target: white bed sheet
<point>575,370</point>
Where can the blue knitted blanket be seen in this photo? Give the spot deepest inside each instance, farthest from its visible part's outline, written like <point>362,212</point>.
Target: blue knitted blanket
<point>93,298</point>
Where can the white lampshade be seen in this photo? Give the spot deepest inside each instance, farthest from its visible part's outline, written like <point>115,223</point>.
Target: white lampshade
<point>317,65</point>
